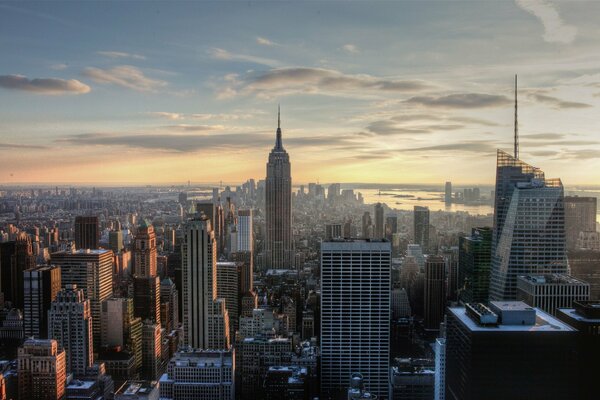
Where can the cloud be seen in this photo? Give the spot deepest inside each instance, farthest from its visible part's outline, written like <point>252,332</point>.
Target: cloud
<point>555,29</point>
<point>286,81</point>
<point>221,54</point>
<point>350,48</point>
<point>543,153</point>
<point>387,127</point>
<point>167,115</point>
<point>431,117</point>
<point>50,86</point>
<point>461,100</point>
<point>191,143</point>
<point>120,54</point>
<point>544,136</point>
<point>556,102</point>
<point>265,42</point>
<point>59,67</point>
<point>469,146</point>
<point>12,146</point>
<point>125,76</point>
<point>200,117</point>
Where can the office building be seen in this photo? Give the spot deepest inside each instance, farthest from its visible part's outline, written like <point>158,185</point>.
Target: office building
<point>144,251</point>
<point>228,276</point>
<point>379,227</point>
<point>333,231</point>
<point>286,383</point>
<point>151,350</point>
<point>91,271</point>
<point>15,257</point>
<point>531,352</point>
<point>448,193</point>
<point>87,232</point>
<point>400,304</point>
<point>580,216</point>
<point>440,369</point>
<point>585,317</point>
<point>355,314</point>
<point>552,291</point>
<point>40,286</point>
<point>474,266</point>
<point>121,329</point>
<point>204,318</point>
<point>391,226</point>
<point>421,227</point>
<point>146,297</point>
<point>278,207</point>
<point>70,324</point>
<point>367,226</point>
<point>42,370</point>
<point>529,226</point>
<point>199,374</point>
<point>115,241</point>
<point>412,380</point>
<point>245,231</point>
<point>435,292</point>
<point>138,390</point>
<point>585,266</point>
<point>169,300</point>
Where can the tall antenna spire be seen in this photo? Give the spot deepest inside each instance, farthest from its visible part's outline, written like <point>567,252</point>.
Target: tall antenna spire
<point>278,116</point>
<point>278,144</point>
<point>516,123</point>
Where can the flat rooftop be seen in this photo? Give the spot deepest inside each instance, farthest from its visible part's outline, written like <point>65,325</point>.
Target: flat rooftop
<point>572,313</point>
<point>551,279</point>
<point>131,388</point>
<point>543,321</point>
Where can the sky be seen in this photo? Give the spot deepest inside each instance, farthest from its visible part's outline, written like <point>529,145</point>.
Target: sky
<point>381,92</point>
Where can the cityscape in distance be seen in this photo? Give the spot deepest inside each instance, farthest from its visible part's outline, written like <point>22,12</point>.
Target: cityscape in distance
<point>299,200</point>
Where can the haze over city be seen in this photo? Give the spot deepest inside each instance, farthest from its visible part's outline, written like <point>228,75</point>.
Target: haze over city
<point>404,92</point>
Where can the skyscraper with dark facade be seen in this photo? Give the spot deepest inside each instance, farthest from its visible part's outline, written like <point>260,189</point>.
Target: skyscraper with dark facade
<point>580,216</point>
<point>87,232</point>
<point>40,286</point>
<point>421,227</point>
<point>435,291</point>
<point>15,257</point>
<point>474,265</point>
<point>379,229</point>
<point>278,205</point>
<point>529,226</point>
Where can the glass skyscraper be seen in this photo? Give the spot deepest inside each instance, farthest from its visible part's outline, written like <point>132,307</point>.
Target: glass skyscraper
<point>529,226</point>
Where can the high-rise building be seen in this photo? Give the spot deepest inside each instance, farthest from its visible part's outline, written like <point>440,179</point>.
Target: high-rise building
<point>435,292</point>
<point>333,231</point>
<point>227,288</point>
<point>584,265</point>
<point>144,251</point>
<point>439,392</point>
<point>355,314</point>
<point>580,216</point>
<point>474,266</point>
<point>70,323</point>
<point>199,374</point>
<point>412,380</point>
<point>87,232</point>
<point>367,229</point>
<point>146,297</point>
<point>115,241</point>
<point>421,227</point>
<point>585,317</point>
<point>203,317</point>
<point>121,329</point>
<point>391,226</point>
<point>151,350</point>
<point>41,284</point>
<point>15,257</point>
<point>379,227</point>
<point>42,370</point>
<point>533,353</point>
<point>278,207</point>
<point>245,234</point>
<point>169,295</point>
<point>552,291</point>
<point>448,193</point>
<point>139,390</point>
<point>529,226</point>
<point>91,271</point>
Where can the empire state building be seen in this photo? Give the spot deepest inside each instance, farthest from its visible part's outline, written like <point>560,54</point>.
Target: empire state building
<point>278,205</point>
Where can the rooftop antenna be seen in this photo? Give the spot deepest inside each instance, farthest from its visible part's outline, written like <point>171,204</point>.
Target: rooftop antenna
<point>516,124</point>
<point>278,116</point>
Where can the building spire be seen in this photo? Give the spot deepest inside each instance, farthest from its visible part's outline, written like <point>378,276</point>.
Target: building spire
<point>516,123</point>
<point>278,144</point>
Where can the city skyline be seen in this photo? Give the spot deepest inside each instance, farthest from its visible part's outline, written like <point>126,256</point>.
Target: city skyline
<point>119,108</point>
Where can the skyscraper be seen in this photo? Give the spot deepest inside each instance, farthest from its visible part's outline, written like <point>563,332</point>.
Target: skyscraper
<point>144,251</point>
<point>529,226</point>
<point>15,257</point>
<point>228,289</point>
<point>121,329</point>
<point>580,216</point>
<point>151,350</point>
<point>91,271</point>
<point>421,227</point>
<point>474,265</point>
<point>448,193</point>
<point>42,370</point>
<point>245,235</point>
<point>355,314</point>
<point>378,233</point>
<point>41,285</point>
<point>87,232</point>
<point>551,291</point>
<point>70,323</point>
<point>146,298</point>
<point>203,317</point>
<point>435,291</point>
<point>278,207</point>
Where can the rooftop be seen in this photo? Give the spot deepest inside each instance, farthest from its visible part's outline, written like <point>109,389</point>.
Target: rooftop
<point>543,321</point>
<point>131,388</point>
<point>551,279</point>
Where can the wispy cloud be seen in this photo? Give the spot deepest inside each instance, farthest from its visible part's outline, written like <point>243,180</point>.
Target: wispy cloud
<point>556,102</point>
<point>125,76</point>
<point>555,29</point>
<point>350,48</point>
<point>120,54</point>
<point>286,81</point>
<point>265,42</point>
<point>461,100</point>
<point>50,86</point>
<point>468,147</point>
<point>201,117</point>
<point>222,54</point>
<point>389,127</point>
<point>59,67</point>
<point>14,146</point>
